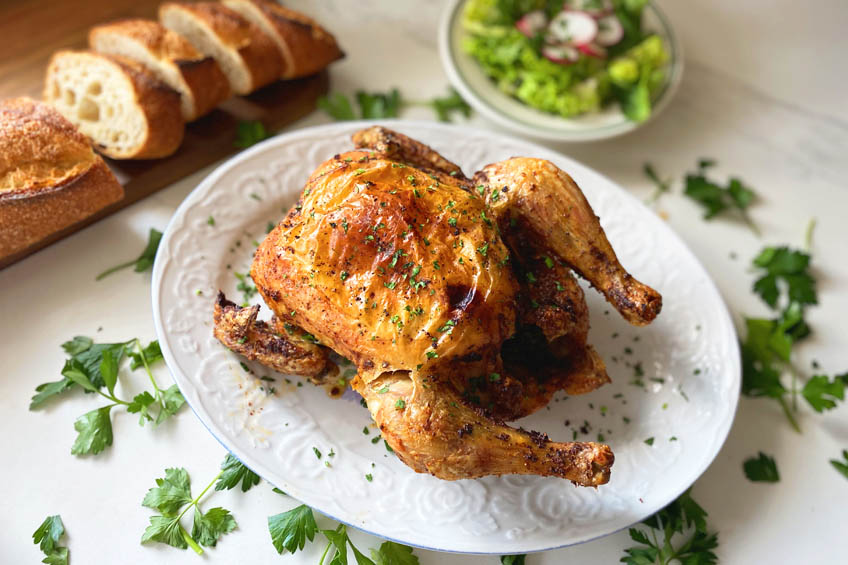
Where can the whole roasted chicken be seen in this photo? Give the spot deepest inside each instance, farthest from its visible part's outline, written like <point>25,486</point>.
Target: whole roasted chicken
<point>455,298</point>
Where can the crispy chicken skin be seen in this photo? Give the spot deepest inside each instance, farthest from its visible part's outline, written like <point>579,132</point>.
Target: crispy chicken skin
<point>455,300</point>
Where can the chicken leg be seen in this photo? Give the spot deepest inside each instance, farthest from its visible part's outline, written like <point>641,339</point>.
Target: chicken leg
<point>432,431</point>
<point>536,196</point>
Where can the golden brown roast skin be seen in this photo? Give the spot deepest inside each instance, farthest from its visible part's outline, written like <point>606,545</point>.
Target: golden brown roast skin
<point>393,267</point>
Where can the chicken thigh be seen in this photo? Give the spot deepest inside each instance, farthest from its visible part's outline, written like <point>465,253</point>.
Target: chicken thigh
<point>454,299</point>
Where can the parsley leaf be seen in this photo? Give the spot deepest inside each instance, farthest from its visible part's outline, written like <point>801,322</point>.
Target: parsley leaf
<point>391,553</point>
<point>447,105</point>
<point>716,199</point>
<point>95,432</point>
<point>250,133</point>
<point>144,261</point>
<point>140,405</point>
<point>683,516</point>
<point>337,106</point>
<point>152,353</point>
<point>822,393</point>
<point>513,559</point>
<point>170,493</point>
<point>761,469</point>
<point>47,537</point>
<point>209,527</point>
<point>790,267</point>
<point>290,530</point>
<point>839,465</point>
<point>48,533</point>
<point>170,401</point>
<point>46,391</point>
<point>77,345</point>
<point>165,530</point>
<point>378,105</point>
<point>233,471</point>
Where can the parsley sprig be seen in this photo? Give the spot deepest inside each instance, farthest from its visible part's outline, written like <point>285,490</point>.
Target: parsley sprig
<point>47,536</point>
<point>290,531</point>
<point>683,521</point>
<point>144,261</point>
<point>513,559</point>
<point>376,105</point>
<point>95,366</point>
<point>172,498</point>
<point>716,198</point>
<point>786,284</point>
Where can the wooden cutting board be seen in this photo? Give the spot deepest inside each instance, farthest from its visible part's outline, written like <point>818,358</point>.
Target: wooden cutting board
<point>31,30</point>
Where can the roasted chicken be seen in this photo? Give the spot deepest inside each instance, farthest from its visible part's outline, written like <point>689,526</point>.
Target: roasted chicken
<point>455,298</point>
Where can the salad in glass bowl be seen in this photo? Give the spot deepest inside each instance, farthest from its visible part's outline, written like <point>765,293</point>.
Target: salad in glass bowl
<point>581,69</point>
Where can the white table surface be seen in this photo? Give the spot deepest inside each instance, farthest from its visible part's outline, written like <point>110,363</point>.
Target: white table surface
<point>764,93</point>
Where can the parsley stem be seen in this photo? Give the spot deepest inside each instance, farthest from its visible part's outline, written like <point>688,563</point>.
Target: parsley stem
<point>751,223</point>
<point>108,272</point>
<point>323,555</point>
<point>808,236</point>
<point>149,372</point>
<point>188,539</point>
<point>789,415</point>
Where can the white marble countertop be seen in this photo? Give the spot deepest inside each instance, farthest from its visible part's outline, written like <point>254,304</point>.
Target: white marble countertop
<point>763,93</point>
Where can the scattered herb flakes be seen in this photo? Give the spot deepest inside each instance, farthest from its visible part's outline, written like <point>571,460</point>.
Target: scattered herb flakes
<point>761,469</point>
<point>317,452</point>
<point>369,477</point>
<point>649,441</point>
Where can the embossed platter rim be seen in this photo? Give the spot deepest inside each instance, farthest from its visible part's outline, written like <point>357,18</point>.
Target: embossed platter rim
<point>678,376</point>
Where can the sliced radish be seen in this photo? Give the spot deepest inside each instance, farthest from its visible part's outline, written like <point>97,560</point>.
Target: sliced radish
<point>532,23</point>
<point>576,28</point>
<point>595,8</point>
<point>610,31</point>
<point>561,54</point>
<point>593,50</point>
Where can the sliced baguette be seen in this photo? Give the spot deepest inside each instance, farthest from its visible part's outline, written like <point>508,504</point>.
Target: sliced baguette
<point>119,105</point>
<point>50,178</point>
<point>171,58</point>
<point>248,57</point>
<point>306,47</point>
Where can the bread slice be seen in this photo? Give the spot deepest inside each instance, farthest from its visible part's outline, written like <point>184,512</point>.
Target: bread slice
<point>306,46</point>
<point>50,178</point>
<point>247,56</point>
<point>119,105</point>
<point>171,58</point>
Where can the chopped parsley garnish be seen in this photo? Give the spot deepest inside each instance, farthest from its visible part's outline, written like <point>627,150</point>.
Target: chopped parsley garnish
<point>400,404</point>
<point>452,222</point>
<point>210,221</point>
<point>649,441</point>
<point>432,355</point>
<point>484,249</point>
<point>344,275</point>
<point>549,263</point>
<point>761,469</point>
<point>531,278</point>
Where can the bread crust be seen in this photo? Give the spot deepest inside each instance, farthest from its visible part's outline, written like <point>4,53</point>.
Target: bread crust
<point>51,181</point>
<point>206,82</point>
<point>159,103</point>
<point>257,50</point>
<point>305,45</point>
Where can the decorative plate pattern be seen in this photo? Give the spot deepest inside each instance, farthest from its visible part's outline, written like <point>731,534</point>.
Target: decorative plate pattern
<point>676,381</point>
